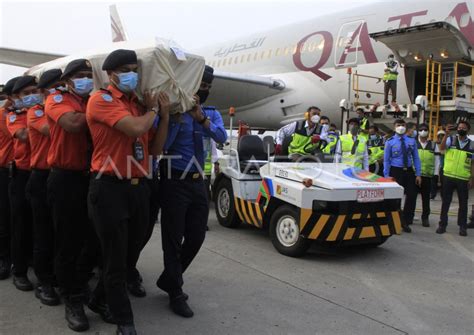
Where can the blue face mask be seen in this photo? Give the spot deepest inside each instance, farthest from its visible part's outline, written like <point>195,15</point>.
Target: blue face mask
<point>32,99</point>
<point>17,103</point>
<point>83,86</point>
<point>128,81</point>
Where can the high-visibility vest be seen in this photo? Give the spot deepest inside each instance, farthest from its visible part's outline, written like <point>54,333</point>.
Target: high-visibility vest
<point>331,144</point>
<point>363,125</point>
<point>208,156</point>
<point>389,75</point>
<point>352,152</point>
<point>376,150</point>
<point>427,158</point>
<point>457,161</point>
<point>301,141</point>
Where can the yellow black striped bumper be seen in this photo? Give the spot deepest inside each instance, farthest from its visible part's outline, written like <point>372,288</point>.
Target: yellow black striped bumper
<point>352,227</point>
<point>249,212</point>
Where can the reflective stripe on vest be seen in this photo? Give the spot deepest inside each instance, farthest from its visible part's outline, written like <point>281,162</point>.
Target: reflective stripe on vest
<point>347,144</point>
<point>457,161</point>
<point>427,158</point>
<point>331,146</point>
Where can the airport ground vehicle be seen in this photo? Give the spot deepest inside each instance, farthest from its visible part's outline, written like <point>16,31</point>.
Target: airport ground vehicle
<point>304,203</point>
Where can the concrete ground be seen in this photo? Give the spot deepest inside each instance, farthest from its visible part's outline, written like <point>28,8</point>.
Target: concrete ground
<point>419,283</point>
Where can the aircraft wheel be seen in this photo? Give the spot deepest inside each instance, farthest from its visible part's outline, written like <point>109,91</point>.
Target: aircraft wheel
<point>285,232</point>
<point>225,206</point>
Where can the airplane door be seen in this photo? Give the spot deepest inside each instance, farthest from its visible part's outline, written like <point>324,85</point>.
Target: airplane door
<point>347,41</point>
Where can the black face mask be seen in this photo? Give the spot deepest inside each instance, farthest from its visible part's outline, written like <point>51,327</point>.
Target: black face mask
<point>202,95</point>
<point>462,132</point>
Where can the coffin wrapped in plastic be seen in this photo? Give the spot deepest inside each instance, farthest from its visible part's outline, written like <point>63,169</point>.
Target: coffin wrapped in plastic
<point>163,66</point>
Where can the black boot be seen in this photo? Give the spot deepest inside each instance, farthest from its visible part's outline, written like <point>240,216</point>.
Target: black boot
<point>101,308</point>
<point>179,306</point>
<point>136,289</point>
<point>406,228</point>
<point>441,230</point>
<point>75,316</point>
<point>462,231</point>
<point>22,283</point>
<point>5,267</point>
<point>47,295</point>
<point>425,222</point>
<point>161,286</point>
<point>126,330</point>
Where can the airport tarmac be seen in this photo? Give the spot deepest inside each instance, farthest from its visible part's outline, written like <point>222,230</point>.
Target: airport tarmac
<point>419,283</point>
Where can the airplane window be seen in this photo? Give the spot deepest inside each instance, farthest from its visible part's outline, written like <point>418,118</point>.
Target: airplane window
<point>262,55</point>
<point>236,59</point>
<point>287,50</point>
<point>219,63</point>
<point>224,62</point>
<point>249,57</point>
<point>269,55</point>
<point>255,56</point>
<point>230,60</point>
<point>277,52</point>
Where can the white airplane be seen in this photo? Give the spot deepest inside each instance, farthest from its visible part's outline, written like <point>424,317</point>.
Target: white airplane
<point>272,77</point>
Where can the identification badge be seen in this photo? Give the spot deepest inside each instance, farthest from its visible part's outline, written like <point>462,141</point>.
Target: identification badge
<point>138,151</point>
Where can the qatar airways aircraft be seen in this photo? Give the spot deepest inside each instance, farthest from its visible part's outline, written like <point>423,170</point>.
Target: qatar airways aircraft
<point>271,77</point>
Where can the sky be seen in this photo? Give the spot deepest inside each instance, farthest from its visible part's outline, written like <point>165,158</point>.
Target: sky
<point>66,27</point>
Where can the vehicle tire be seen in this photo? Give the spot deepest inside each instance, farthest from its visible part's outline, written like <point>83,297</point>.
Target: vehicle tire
<point>225,206</point>
<point>285,232</point>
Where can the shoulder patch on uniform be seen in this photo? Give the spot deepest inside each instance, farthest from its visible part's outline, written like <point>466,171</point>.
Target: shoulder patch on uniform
<point>39,113</point>
<point>12,118</point>
<point>107,97</point>
<point>58,98</point>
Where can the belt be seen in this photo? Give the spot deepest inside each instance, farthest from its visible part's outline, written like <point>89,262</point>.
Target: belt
<point>182,175</point>
<point>410,168</point>
<point>40,171</point>
<point>70,172</point>
<point>116,180</point>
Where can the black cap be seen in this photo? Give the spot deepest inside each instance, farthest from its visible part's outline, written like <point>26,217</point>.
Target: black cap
<point>353,120</point>
<point>23,82</point>
<point>118,58</point>
<point>208,75</point>
<point>8,88</point>
<point>49,78</point>
<point>76,66</point>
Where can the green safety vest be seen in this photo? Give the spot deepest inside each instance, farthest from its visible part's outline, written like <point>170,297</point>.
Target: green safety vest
<point>376,150</point>
<point>301,141</point>
<point>457,161</point>
<point>390,75</point>
<point>363,125</point>
<point>427,158</point>
<point>331,144</point>
<point>208,158</point>
<point>353,152</point>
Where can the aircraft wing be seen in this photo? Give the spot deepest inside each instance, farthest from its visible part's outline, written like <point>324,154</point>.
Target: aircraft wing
<point>25,58</point>
<point>236,89</point>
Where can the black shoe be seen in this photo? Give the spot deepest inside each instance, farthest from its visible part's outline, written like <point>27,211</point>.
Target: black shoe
<point>136,288</point>
<point>180,306</point>
<point>22,283</point>
<point>126,330</point>
<point>406,229</point>
<point>441,230</point>
<point>47,295</point>
<point>102,309</point>
<point>462,232</point>
<point>75,315</point>
<point>5,267</point>
<point>162,287</point>
<point>207,228</point>
<point>425,222</point>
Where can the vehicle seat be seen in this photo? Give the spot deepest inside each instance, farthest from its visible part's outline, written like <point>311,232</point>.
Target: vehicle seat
<point>251,154</point>
<point>269,145</point>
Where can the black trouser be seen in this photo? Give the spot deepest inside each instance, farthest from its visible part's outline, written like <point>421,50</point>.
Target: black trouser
<point>4,215</point>
<point>21,228</point>
<point>120,212</point>
<point>390,85</point>
<point>434,184</point>
<point>154,185</point>
<point>67,196</point>
<point>376,168</point>
<point>425,191</point>
<point>406,179</point>
<point>43,227</point>
<point>184,216</point>
<point>449,185</point>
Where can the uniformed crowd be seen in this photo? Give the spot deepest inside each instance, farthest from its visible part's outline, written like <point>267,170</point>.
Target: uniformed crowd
<point>80,189</point>
<point>405,154</point>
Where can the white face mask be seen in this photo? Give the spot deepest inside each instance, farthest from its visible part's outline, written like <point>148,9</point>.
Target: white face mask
<point>315,119</point>
<point>400,130</point>
<point>424,133</point>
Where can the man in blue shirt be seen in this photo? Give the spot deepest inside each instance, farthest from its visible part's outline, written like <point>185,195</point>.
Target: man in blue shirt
<point>184,200</point>
<point>401,162</point>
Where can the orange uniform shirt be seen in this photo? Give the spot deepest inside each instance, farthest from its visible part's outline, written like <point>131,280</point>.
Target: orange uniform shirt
<point>113,150</point>
<point>67,150</point>
<point>39,143</point>
<point>6,140</point>
<point>21,150</point>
